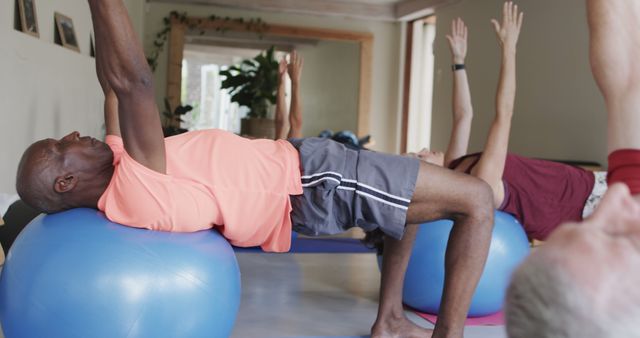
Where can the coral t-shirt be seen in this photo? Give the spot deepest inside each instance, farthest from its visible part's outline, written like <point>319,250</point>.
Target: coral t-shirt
<point>213,179</point>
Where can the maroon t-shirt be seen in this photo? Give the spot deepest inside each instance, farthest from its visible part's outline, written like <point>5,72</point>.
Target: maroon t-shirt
<point>541,194</point>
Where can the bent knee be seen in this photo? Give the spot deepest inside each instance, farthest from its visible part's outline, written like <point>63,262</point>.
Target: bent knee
<point>480,200</point>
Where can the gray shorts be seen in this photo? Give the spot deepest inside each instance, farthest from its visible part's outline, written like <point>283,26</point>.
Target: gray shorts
<point>343,188</point>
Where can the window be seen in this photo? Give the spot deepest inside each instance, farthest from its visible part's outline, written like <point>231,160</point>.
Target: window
<point>419,77</point>
<point>212,106</point>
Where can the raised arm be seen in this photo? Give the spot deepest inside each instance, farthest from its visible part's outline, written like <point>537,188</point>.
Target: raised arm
<point>491,164</point>
<point>462,108</point>
<point>111,120</point>
<point>281,103</point>
<point>295,113</point>
<point>126,71</point>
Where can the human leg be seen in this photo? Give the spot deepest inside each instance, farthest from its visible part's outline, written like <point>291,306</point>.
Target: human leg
<point>391,321</point>
<point>439,193</point>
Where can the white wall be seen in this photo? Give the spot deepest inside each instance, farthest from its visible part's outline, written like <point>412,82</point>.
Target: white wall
<point>46,90</point>
<point>386,57</point>
<point>559,112</point>
<point>329,86</point>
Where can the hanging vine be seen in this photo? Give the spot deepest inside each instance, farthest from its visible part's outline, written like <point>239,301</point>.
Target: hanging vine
<point>253,25</point>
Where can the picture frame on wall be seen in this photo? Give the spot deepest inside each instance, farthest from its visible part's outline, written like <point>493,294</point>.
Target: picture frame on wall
<point>28,17</point>
<point>67,32</point>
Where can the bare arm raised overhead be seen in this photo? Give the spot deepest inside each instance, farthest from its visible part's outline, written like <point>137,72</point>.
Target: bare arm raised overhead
<point>294,69</point>
<point>125,70</point>
<point>281,103</point>
<point>295,114</point>
<point>491,164</point>
<point>462,108</point>
<point>111,120</point>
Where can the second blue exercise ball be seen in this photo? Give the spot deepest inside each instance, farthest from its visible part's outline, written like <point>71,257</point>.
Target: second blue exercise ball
<point>424,279</point>
<point>75,274</point>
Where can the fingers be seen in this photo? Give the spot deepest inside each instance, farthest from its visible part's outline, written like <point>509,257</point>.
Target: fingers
<point>496,25</point>
<point>296,60</point>
<point>506,11</point>
<point>464,34</point>
<point>510,14</point>
<point>282,66</point>
<point>458,28</point>
<point>295,65</point>
<point>512,18</point>
<point>520,18</point>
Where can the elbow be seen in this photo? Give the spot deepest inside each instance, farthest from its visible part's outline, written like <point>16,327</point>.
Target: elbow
<point>295,120</point>
<point>463,116</point>
<point>125,78</point>
<point>279,119</point>
<point>127,84</point>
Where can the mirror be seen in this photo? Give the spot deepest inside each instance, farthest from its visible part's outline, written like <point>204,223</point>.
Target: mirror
<point>336,79</point>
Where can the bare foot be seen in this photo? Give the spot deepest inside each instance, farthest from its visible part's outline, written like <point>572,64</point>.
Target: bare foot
<point>398,328</point>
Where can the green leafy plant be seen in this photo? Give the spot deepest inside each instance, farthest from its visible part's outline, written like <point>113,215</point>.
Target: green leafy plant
<point>253,83</point>
<point>173,119</point>
<point>223,24</point>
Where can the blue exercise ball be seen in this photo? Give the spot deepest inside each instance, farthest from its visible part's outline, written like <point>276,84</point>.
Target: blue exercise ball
<point>424,279</point>
<point>75,274</point>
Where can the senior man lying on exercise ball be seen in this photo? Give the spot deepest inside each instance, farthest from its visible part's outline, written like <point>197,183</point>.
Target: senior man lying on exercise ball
<point>208,179</point>
<point>583,282</point>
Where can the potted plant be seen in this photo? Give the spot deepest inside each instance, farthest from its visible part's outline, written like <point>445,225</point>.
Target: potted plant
<point>173,119</point>
<point>253,84</point>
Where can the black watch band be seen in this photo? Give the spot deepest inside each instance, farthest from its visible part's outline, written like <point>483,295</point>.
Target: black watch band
<point>457,66</point>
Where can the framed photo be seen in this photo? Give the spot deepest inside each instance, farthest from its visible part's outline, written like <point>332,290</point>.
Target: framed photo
<point>67,32</point>
<point>28,17</point>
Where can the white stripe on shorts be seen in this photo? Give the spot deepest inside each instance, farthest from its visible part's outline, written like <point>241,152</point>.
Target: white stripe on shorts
<point>359,192</point>
<point>377,190</point>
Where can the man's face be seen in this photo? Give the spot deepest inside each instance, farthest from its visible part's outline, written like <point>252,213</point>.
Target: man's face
<point>602,254</point>
<point>78,152</point>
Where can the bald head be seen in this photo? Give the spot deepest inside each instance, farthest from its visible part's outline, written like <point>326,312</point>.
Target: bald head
<point>55,175</point>
<point>36,175</point>
<point>583,282</point>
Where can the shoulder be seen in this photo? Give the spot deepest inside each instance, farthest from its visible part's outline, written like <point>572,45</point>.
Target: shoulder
<point>116,145</point>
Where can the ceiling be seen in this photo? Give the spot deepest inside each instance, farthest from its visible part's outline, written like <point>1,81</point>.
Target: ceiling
<point>379,10</point>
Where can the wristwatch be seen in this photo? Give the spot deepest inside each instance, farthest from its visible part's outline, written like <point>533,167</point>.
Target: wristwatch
<point>457,66</point>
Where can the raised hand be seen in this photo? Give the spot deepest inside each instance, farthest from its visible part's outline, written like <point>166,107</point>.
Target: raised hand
<point>458,41</point>
<point>282,69</point>
<point>295,66</point>
<point>509,30</point>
